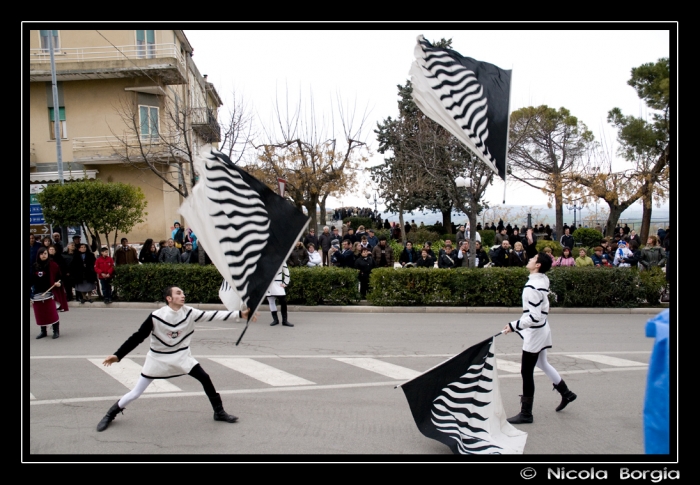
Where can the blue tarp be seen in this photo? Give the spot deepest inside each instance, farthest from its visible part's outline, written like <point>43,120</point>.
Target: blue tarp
<point>656,401</point>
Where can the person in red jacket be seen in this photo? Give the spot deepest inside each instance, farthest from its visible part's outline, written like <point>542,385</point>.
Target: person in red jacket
<point>104,268</point>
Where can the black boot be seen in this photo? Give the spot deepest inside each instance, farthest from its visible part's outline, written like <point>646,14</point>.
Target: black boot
<point>275,320</point>
<point>42,333</point>
<point>566,395</point>
<point>109,417</point>
<point>55,329</point>
<point>525,415</point>
<point>284,317</point>
<point>219,413</point>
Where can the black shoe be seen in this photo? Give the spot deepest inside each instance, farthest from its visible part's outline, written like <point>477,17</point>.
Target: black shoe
<point>109,417</point>
<point>55,335</point>
<point>567,396</point>
<point>222,415</point>
<point>275,320</point>
<point>525,414</point>
<point>287,324</point>
<point>82,302</point>
<point>42,334</point>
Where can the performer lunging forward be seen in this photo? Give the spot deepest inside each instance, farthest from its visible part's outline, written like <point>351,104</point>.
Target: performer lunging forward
<point>533,328</point>
<point>171,328</point>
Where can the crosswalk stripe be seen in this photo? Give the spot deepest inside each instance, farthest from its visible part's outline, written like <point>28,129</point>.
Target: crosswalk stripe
<point>510,366</point>
<point>31,396</point>
<point>262,372</point>
<point>383,368</point>
<point>606,359</point>
<point>128,372</point>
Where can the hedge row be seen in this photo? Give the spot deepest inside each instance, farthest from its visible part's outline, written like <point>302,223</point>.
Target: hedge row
<point>569,287</point>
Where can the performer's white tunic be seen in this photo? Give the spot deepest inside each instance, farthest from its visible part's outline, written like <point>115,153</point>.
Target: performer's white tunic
<point>169,355</point>
<point>276,288</point>
<point>532,326</point>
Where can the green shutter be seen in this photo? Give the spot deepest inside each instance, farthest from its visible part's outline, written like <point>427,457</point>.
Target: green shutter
<point>61,114</point>
<point>45,33</point>
<point>140,35</point>
<point>151,36</point>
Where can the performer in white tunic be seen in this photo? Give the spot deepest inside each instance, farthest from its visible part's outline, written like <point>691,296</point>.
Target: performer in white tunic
<point>276,291</point>
<point>533,328</point>
<point>170,329</point>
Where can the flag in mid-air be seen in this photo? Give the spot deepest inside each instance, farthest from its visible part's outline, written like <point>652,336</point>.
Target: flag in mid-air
<point>458,403</point>
<point>469,98</point>
<point>247,230</point>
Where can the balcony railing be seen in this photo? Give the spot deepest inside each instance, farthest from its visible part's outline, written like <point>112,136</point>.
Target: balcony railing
<point>107,53</point>
<point>205,125</point>
<point>109,148</point>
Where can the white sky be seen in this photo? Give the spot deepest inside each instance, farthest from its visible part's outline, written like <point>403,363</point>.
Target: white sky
<point>585,71</point>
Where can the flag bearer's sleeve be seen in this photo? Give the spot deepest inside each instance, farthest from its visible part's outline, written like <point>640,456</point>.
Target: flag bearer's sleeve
<point>532,309</point>
<point>200,316</point>
<point>136,338</point>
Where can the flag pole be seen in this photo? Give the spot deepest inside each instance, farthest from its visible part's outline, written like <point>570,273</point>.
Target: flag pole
<point>505,162</point>
<point>438,365</point>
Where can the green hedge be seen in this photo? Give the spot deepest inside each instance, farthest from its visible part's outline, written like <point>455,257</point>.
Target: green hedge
<point>499,287</point>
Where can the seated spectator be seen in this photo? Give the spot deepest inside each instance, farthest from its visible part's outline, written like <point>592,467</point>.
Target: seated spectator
<point>621,254</point>
<point>548,251</point>
<point>600,258</point>
<point>519,257</point>
<point>315,260</point>
<point>583,259</point>
<point>448,256</point>
<point>566,259</point>
<point>636,255</point>
<point>427,246</point>
<point>481,259</point>
<point>299,257</point>
<point>653,254</point>
<point>425,260</point>
<point>408,256</point>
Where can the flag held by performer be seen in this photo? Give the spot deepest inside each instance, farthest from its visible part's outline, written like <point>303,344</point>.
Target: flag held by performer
<point>458,403</point>
<point>246,229</point>
<point>469,98</point>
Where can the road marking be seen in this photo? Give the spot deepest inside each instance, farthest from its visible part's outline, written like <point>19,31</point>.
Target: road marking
<point>263,372</point>
<point>31,396</point>
<point>607,360</point>
<point>510,366</point>
<point>128,372</point>
<point>383,368</point>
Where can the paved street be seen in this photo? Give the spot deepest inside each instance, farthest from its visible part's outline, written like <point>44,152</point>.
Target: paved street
<point>324,387</point>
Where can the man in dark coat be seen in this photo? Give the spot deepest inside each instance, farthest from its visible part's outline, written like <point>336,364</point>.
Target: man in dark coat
<point>364,264</point>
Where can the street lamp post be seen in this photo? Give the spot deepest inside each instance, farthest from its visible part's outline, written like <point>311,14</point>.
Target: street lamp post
<point>368,196</point>
<point>575,207</point>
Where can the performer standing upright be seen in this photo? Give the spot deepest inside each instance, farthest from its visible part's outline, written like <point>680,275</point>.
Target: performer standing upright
<point>276,291</point>
<point>170,328</point>
<point>45,275</point>
<point>533,328</point>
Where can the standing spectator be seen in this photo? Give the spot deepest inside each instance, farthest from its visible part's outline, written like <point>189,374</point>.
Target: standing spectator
<point>364,243</point>
<point>34,246</point>
<point>383,254</point>
<point>57,242</point>
<point>277,291</point>
<point>372,239</point>
<point>463,255</point>
<point>82,269</point>
<point>324,245</point>
<point>661,234</point>
<point>427,245</point>
<point>461,235</point>
<point>407,227</point>
<point>45,274</point>
<point>481,258</point>
<point>161,244</point>
<point>186,255</point>
<point>414,227</point>
<point>151,253</point>
<point>169,254</point>
<point>626,229</point>
<point>600,258</point>
<point>311,237</point>
<point>583,259</point>
<point>104,268</point>
<point>360,232</point>
<point>146,251</point>
<point>653,254</point>
<point>299,257</point>
<point>408,255</point>
<point>125,254</point>
<point>387,224</point>
<point>191,237</point>
<point>67,277</point>
<point>178,236</point>
<point>634,237</point>
<point>566,259</point>
<point>501,236</point>
<point>314,257</point>
<point>448,256</point>
<point>350,236</point>
<point>346,258</point>
<point>364,264</point>
<point>567,240</point>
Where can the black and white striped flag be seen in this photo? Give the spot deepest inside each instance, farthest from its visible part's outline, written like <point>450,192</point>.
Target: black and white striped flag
<point>458,403</point>
<point>469,98</point>
<point>247,230</point>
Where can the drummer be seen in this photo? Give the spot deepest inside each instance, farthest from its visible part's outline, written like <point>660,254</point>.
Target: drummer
<point>45,274</point>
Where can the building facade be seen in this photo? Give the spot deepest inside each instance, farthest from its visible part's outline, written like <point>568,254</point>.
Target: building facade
<point>132,107</point>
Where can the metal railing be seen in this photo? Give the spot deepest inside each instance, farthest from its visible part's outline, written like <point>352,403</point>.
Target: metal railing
<point>101,143</point>
<point>109,53</point>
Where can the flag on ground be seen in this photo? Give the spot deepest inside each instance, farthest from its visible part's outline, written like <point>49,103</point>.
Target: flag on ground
<point>247,230</point>
<point>458,403</point>
<point>469,98</point>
